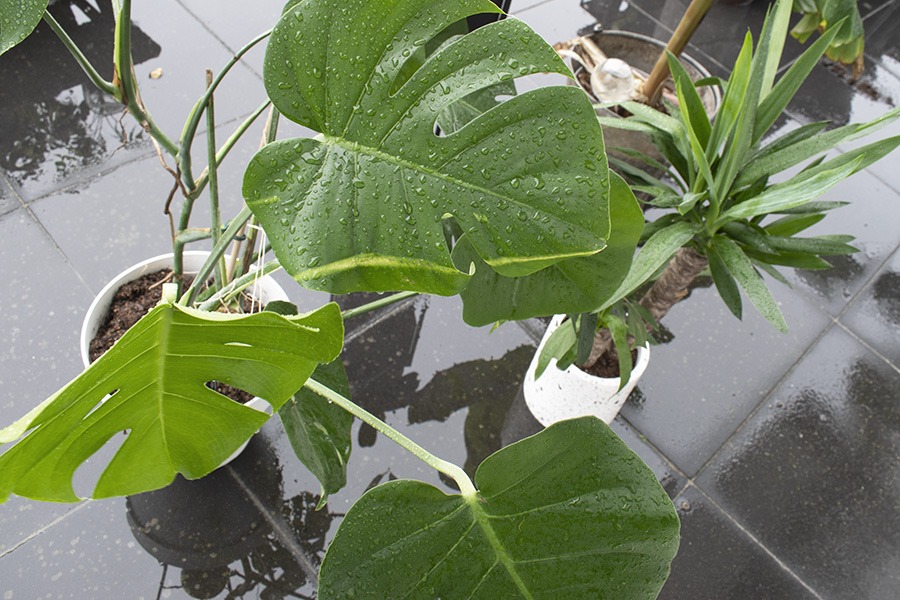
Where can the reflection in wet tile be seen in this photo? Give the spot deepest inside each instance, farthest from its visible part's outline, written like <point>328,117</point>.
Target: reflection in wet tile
<point>65,129</point>
<point>876,237</point>
<point>813,474</point>
<point>718,560</point>
<point>700,385</point>
<point>881,36</point>
<point>875,314</point>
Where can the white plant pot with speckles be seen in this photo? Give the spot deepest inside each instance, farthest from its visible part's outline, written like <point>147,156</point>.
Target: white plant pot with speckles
<point>558,395</point>
<point>265,290</point>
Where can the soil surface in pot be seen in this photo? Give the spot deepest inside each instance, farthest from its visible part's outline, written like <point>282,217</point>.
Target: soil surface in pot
<point>608,365</point>
<point>131,302</point>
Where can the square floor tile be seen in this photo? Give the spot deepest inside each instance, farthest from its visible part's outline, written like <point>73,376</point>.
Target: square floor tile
<point>875,314</point>
<point>718,560</point>
<point>813,475</point>
<point>704,381</point>
<point>669,477</point>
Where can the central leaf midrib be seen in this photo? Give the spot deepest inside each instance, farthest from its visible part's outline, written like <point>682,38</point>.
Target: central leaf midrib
<point>355,147</point>
<point>165,324</point>
<point>506,560</point>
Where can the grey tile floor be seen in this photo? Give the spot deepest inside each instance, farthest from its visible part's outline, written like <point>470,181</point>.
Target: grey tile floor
<point>781,453</point>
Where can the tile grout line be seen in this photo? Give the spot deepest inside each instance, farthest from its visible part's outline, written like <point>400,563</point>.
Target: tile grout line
<point>35,534</point>
<point>756,541</point>
<point>868,346</point>
<point>215,36</point>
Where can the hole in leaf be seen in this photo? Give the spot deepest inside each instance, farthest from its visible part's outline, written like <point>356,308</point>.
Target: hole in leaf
<point>88,473</point>
<point>229,391</point>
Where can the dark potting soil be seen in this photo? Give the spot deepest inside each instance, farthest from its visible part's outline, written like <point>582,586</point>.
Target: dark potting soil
<point>131,302</point>
<point>608,365</point>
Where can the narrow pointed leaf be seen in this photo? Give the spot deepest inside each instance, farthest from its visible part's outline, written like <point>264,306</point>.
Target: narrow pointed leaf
<point>661,246</point>
<point>740,267</point>
<point>735,91</point>
<point>319,430</point>
<point>156,375</point>
<point>725,283</point>
<point>18,18</point>
<point>792,224</point>
<point>791,194</point>
<point>360,207</point>
<point>572,286</point>
<point>689,102</point>
<point>776,29</point>
<point>568,513</point>
<point>618,330</point>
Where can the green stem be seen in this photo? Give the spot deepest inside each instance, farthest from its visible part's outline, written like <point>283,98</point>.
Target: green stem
<point>127,91</point>
<point>215,254</point>
<point>193,121</point>
<point>199,185</point>
<point>466,487</point>
<point>215,221</point>
<point>238,285</point>
<point>376,304</point>
<point>96,79</point>
<point>186,236</point>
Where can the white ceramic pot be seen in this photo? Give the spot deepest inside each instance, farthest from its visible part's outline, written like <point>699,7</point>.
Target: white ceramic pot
<point>266,290</point>
<point>566,394</point>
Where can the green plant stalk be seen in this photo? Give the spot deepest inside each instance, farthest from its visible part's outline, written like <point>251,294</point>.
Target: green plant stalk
<point>215,221</point>
<point>200,184</point>
<point>218,249</point>
<point>376,304</point>
<point>239,284</point>
<point>466,487</point>
<point>75,51</point>
<point>123,80</point>
<point>196,234</point>
<point>193,120</point>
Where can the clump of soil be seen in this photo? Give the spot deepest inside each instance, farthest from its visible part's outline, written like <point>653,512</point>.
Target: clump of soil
<point>608,365</point>
<point>129,304</point>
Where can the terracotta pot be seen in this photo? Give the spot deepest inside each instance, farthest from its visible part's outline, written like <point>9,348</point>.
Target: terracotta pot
<point>566,394</point>
<point>266,290</point>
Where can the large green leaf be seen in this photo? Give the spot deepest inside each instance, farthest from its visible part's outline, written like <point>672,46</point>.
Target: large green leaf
<point>18,18</point>
<point>319,430</point>
<point>156,377</point>
<point>569,513</point>
<point>360,207</point>
<point>571,286</point>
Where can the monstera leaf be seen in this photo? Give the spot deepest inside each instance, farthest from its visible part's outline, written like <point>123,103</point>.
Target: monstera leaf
<point>156,377</point>
<point>360,207</point>
<point>569,513</point>
<point>18,18</point>
<point>570,286</point>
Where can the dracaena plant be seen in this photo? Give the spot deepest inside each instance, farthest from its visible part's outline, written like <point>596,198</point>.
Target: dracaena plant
<point>371,204</point>
<point>728,207</point>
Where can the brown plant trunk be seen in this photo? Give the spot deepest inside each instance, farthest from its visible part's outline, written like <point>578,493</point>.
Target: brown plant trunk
<point>667,291</point>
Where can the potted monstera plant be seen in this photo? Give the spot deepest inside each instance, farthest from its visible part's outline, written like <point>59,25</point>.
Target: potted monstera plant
<point>363,206</point>
<point>725,206</point>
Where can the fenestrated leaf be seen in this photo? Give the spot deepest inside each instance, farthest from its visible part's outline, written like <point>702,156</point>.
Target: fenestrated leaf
<point>18,18</point>
<point>360,207</point>
<point>156,376</point>
<point>319,430</point>
<point>461,113</point>
<point>571,286</point>
<point>568,513</point>
<point>740,267</point>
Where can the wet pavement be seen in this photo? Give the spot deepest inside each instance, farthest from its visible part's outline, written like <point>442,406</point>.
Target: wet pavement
<point>781,453</point>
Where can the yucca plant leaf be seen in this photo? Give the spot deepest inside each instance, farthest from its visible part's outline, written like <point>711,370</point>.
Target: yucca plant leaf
<point>862,157</point>
<point>569,513</point>
<point>724,282</point>
<point>792,224</point>
<point>787,157</point>
<point>319,430</point>
<point>360,207</point>
<point>18,18</point>
<point>733,100</point>
<point>655,253</point>
<point>156,377</point>
<point>775,29</point>
<point>791,194</point>
<point>571,286</point>
<point>790,138</point>
<point>776,101</point>
<point>618,331</point>
<point>740,267</point>
<point>748,235</point>
<point>814,245</point>
<point>689,102</point>
<point>797,260</point>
